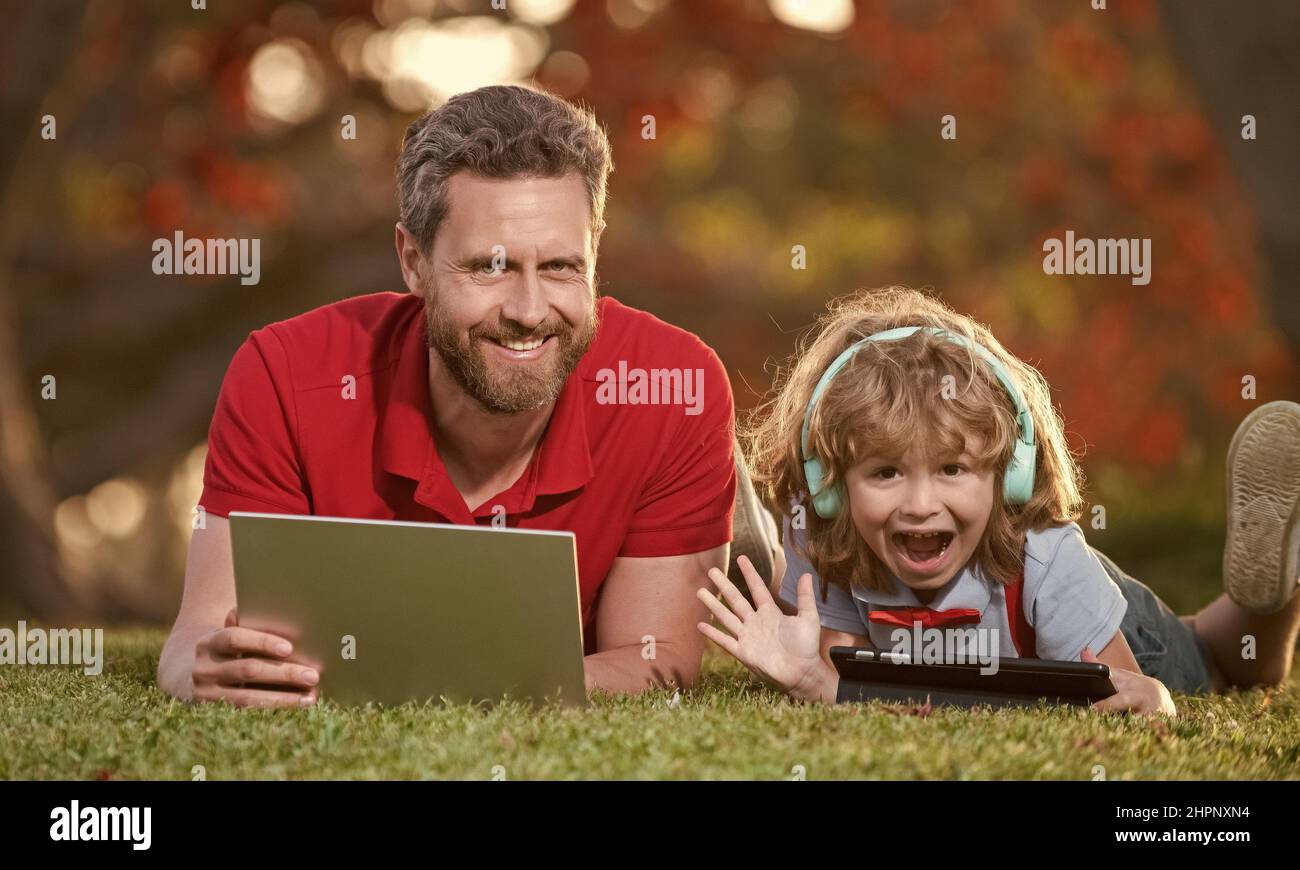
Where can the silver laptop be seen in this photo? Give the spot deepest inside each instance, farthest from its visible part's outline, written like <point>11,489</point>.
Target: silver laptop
<point>393,611</point>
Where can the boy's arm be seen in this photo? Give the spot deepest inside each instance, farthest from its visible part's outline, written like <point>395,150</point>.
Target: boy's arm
<point>1117,654</point>
<point>831,637</point>
<point>1134,691</point>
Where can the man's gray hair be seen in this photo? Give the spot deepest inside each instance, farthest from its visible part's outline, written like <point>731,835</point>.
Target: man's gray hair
<point>501,131</point>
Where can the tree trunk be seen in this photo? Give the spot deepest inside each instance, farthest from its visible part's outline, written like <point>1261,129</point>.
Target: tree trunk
<point>42,39</point>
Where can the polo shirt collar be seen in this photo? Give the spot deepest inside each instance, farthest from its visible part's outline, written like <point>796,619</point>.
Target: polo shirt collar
<point>562,462</point>
<point>969,589</point>
<point>406,430</point>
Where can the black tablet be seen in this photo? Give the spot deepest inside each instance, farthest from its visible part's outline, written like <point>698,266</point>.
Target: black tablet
<point>867,674</point>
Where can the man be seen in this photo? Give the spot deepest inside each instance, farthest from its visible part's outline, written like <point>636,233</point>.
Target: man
<point>484,392</point>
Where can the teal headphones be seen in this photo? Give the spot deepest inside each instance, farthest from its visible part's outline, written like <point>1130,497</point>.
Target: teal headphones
<point>1017,484</point>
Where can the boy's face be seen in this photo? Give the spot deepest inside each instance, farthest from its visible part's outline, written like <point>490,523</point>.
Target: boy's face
<point>922,515</point>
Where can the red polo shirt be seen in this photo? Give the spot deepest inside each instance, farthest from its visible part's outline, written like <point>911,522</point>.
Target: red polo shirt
<point>292,433</point>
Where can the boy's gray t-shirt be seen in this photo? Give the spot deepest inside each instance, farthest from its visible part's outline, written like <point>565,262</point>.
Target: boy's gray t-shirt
<point>1068,597</point>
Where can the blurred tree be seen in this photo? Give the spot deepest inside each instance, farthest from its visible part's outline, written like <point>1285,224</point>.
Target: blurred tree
<point>1246,64</point>
<point>768,136</point>
<point>41,40</point>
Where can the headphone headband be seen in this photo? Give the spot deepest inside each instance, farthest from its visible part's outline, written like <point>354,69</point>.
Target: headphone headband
<point>1018,484</point>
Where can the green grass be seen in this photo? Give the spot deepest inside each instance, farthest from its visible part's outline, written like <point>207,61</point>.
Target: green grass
<point>56,723</point>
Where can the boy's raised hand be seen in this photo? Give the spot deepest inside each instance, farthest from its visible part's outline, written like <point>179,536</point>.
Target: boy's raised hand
<point>785,650</point>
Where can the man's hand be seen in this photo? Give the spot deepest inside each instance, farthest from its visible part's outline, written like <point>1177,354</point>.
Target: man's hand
<point>784,650</point>
<point>245,667</point>
<point>249,669</point>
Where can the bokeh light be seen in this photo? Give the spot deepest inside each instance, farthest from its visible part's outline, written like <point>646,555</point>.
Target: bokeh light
<point>822,16</point>
<point>285,82</point>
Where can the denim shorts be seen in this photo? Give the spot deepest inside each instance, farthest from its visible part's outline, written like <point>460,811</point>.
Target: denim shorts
<point>1164,647</point>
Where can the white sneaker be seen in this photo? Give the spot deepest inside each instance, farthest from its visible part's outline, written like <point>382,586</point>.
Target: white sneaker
<point>1261,557</point>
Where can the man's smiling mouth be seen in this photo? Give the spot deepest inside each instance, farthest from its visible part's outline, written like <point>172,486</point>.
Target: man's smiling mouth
<point>532,344</point>
<point>525,348</point>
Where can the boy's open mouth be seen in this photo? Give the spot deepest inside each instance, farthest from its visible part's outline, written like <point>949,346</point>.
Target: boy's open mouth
<point>922,551</point>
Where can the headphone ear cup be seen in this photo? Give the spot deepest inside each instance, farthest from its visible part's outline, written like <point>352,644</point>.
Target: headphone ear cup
<point>825,500</point>
<point>1018,483</point>
<point>827,503</point>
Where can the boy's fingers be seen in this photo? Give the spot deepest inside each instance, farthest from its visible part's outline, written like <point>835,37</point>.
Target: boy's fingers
<point>232,618</point>
<point>734,599</point>
<point>726,641</point>
<point>757,588</point>
<point>1116,703</point>
<point>719,610</point>
<point>804,595</point>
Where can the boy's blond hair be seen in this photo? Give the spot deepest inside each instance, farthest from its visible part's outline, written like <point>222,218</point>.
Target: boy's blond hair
<point>891,396</point>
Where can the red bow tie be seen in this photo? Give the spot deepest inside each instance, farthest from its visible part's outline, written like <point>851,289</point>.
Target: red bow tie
<point>908,616</point>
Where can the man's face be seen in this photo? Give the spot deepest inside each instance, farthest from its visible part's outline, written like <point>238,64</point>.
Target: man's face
<point>510,303</point>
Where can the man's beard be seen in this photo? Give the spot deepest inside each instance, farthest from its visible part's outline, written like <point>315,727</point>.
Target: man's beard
<point>522,386</point>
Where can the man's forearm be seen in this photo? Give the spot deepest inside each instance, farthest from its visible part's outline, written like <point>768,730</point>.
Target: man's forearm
<point>626,670</point>
<point>176,664</point>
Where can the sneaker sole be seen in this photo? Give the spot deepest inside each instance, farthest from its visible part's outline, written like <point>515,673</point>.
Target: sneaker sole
<point>1263,543</point>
